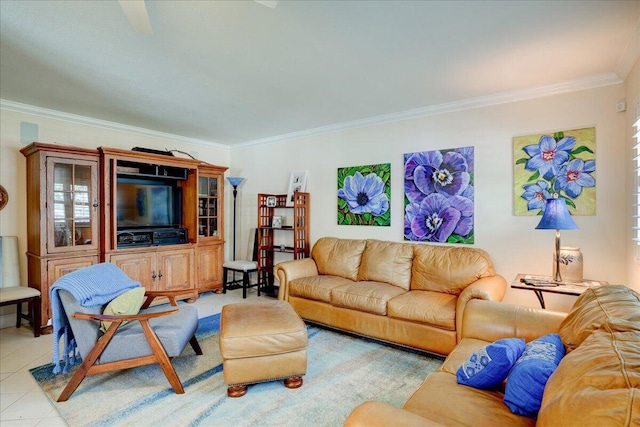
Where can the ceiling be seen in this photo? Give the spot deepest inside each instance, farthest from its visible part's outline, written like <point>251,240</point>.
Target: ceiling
<point>235,73</point>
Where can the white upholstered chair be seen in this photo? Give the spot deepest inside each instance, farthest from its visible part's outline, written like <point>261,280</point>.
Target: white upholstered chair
<point>11,290</point>
<point>244,267</point>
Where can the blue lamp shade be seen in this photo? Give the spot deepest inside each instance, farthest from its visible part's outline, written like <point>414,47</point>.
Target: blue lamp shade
<point>234,180</point>
<point>556,216</point>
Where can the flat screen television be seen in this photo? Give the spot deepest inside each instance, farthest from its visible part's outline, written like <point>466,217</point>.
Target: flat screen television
<point>147,204</point>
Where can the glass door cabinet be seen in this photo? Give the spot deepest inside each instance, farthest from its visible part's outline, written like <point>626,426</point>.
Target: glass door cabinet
<point>208,206</point>
<point>72,198</point>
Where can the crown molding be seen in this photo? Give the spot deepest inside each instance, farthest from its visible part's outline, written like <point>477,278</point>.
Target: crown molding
<point>18,107</point>
<point>591,82</point>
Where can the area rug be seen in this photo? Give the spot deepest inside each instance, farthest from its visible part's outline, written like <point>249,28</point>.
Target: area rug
<point>343,371</point>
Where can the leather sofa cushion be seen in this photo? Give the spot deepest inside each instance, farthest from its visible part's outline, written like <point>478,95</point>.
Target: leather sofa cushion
<point>338,257</point>
<point>598,383</point>
<point>317,288</point>
<point>448,269</point>
<point>388,262</point>
<point>370,297</point>
<point>443,400</point>
<point>433,308</point>
<point>594,307</point>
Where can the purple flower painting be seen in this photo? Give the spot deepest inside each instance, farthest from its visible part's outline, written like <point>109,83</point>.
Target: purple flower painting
<point>438,196</point>
<point>562,163</point>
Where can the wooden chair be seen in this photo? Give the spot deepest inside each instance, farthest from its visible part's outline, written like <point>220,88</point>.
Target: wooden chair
<point>11,291</point>
<point>151,336</point>
<point>245,267</point>
<point>22,294</point>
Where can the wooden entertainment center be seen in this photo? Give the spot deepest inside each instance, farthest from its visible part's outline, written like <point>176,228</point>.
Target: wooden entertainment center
<point>160,218</point>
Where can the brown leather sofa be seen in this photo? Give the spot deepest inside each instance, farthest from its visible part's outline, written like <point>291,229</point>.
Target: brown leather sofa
<point>409,294</point>
<point>596,384</point>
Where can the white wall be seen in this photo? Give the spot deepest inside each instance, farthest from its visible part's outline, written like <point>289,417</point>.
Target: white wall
<point>512,241</point>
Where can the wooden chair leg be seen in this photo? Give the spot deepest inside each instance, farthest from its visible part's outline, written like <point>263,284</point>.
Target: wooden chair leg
<point>162,357</point>
<point>88,362</point>
<point>245,284</point>
<point>225,273</point>
<point>195,345</point>
<point>18,314</point>
<point>259,283</point>
<point>34,305</point>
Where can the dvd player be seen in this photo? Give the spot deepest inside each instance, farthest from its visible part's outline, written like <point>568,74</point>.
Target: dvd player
<point>164,236</point>
<point>170,236</point>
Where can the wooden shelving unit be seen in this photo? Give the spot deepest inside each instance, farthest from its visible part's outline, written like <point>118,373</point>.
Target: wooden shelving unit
<point>296,233</point>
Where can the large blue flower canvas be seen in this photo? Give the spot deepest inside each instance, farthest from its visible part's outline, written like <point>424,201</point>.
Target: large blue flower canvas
<point>439,196</point>
<point>364,194</point>
<point>562,162</point>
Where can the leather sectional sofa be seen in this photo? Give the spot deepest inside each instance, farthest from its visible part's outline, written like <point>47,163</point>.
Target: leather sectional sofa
<point>596,384</point>
<point>409,294</point>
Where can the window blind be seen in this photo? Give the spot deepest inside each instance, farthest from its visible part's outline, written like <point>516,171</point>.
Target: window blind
<point>636,221</point>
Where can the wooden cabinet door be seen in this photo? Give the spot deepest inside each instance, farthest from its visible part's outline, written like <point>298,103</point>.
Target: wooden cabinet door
<point>209,267</point>
<point>210,209</point>
<point>72,218</point>
<point>140,267</point>
<point>56,268</point>
<point>175,270</point>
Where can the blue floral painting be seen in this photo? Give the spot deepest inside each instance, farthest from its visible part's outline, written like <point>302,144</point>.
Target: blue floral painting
<point>563,163</point>
<point>438,196</point>
<point>364,194</point>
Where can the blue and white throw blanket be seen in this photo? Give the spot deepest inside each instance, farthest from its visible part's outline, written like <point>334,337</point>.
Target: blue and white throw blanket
<point>91,286</point>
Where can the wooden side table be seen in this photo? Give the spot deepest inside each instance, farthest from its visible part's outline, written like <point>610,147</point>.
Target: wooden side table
<point>540,284</point>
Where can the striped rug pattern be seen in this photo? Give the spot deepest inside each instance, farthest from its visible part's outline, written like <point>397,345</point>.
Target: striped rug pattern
<point>342,372</point>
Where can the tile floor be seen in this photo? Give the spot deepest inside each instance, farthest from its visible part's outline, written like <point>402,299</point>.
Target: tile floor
<point>22,402</point>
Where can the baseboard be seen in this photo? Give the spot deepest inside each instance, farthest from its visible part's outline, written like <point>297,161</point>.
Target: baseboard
<point>8,320</point>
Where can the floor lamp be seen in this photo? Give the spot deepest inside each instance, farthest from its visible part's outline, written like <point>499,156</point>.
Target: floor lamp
<point>235,182</point>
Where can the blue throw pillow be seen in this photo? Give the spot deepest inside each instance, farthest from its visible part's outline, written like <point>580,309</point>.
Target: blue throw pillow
<point>527,379</point>
<point>488,366</point>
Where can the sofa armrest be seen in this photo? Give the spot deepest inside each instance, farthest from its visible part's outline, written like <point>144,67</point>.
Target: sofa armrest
<point>490,288</point>
<point>291,270</point>
<point>492,320</point>
<point>379,414</point>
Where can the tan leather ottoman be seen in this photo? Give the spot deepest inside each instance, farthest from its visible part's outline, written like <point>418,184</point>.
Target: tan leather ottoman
<point>262,341</point>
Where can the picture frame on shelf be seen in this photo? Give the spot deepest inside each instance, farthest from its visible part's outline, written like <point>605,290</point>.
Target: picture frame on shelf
<point>276,221</point>
<point>272,201</point>
<point>297,182</point>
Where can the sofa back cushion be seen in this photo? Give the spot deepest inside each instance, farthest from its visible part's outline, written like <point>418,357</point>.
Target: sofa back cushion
<point>338,257</point>
<point>597,384</point>
<point>448,269</point>
<point>595,306</point>
<point>387,262</point>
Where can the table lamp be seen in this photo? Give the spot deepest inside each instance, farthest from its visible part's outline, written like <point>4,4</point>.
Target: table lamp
<point>556,216</point>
